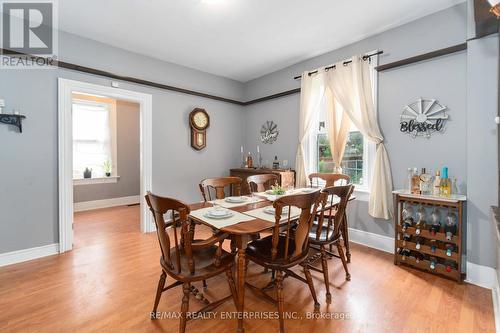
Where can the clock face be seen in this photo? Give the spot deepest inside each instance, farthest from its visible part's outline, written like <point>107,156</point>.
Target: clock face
<point>200,120</point>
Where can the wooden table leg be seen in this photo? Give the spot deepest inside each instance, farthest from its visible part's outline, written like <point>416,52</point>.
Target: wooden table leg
<point>242,241</point>
<point>345,236</point>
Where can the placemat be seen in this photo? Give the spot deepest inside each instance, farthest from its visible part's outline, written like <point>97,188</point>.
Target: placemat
<point>220,223</point>
<point>225,204</point>
<point>260,214</point>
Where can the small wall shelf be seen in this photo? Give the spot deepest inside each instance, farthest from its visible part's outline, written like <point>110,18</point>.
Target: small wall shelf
<point>12,119</point>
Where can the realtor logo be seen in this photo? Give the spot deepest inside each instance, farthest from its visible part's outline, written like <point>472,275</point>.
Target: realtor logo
<point>29,33</point>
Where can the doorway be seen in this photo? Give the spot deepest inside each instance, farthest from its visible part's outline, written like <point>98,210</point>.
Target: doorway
<point>67,91</point>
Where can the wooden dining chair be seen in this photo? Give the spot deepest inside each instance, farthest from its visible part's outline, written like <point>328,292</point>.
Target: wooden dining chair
<point>218,186</point>
<point>329,179</point>
<point>261,183</point>
<point>328,230</point>
<point>188,260</point>
<point>333,179</point>
<point>286,247</point>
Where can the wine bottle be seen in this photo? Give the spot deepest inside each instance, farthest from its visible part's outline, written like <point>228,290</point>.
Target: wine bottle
<point>445,185</point>
<point>407,223</point>
<point>433,244</point>
<point>433,263</point>
<point>419,241</point>
<point>450,265</point>
<point>405,253</point>
<point>449,249</point>
<point>419,257</point>
<point>406,238</point>
<point>420,220</point>
<point>450,225</point>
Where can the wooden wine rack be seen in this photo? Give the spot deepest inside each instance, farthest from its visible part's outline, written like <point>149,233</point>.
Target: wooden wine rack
<point>455,202</point>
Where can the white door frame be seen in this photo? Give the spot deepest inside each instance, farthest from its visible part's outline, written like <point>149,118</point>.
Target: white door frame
<point>65,154</point>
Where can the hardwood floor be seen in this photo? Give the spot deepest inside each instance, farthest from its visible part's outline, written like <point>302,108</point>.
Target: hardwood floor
<point>108,283</point>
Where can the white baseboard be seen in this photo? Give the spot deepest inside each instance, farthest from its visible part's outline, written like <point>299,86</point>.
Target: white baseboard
<point>106,203</point>
<point>15,257</point>
<point>482,276</point>
<point>376,241</point>
<point>496,306</point>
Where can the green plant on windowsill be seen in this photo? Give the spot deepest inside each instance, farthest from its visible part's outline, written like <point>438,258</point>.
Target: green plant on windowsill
<point>107,167</point>
<point>277,190</point>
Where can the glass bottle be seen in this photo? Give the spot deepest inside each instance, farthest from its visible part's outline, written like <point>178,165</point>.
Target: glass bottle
<point>249,161</point>
<point>407,215</point>
<point>419,241</point>
<point>425,182</point>
<point>445,186</point>
<point>450,225</point>
<point>415,182</point>
<point>433,244</point>
<point>405,253</point>
<point>406,238</point>
<point>433,263</point>
<point>449,249</point>
<point>419,257</point>
<point>436,188</point>
<point>454,187</point>
<point>420,219</point>
<point>276,163</point>
<point>435,220</point>
<point>450,265</point>
<point>409,178</point>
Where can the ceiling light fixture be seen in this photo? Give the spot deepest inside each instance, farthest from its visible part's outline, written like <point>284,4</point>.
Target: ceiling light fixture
<point>495,7</point>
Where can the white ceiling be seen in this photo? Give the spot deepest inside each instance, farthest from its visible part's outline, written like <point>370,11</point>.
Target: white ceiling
<point>238,39</point>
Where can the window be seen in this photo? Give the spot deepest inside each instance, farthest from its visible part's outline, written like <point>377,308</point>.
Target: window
<point>358,155</point>
<point>352,162</point>
<point>94,137</point>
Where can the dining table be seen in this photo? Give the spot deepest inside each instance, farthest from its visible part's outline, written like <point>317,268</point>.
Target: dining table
<point>248,219</point>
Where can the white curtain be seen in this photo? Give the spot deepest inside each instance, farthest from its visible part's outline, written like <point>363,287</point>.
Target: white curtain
<point>311,95</point>
<point>351,86</point>
<point>337,127</point>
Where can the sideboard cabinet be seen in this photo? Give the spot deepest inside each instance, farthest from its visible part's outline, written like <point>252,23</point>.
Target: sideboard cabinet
<point>286,178</point>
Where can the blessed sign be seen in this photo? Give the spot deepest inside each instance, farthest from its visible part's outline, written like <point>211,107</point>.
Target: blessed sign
<point>423,117</point>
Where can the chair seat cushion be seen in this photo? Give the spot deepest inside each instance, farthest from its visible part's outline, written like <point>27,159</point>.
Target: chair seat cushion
<point>260,249</point>
<point>325,232</point>
<point>204,262</point>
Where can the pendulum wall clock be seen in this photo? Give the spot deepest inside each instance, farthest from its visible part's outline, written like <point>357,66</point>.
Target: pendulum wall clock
<point>199,122</point>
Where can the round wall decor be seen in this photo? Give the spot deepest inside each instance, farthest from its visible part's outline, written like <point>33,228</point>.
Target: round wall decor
<point>423,117</point>
<point>269,132</point>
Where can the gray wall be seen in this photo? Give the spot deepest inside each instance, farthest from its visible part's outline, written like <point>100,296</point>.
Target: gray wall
<point>482,149</point>
<point>443,79</point>
<point>128,159</point>
<point>28,161</point>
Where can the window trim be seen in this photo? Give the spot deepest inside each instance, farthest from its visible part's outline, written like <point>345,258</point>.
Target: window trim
<point>97,180</point>
<point>111,105</point>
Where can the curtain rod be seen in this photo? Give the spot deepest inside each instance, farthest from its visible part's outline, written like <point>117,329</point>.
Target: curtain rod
<point>365,57</point>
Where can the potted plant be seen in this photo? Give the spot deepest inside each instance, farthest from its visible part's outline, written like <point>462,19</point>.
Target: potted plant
<point>87,173</point>
<point>277,190</point>
<point>107,168</point>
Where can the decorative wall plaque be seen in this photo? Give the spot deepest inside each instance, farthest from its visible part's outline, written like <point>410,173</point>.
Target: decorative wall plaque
<point>423,118</point>
<point>269,132</point>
